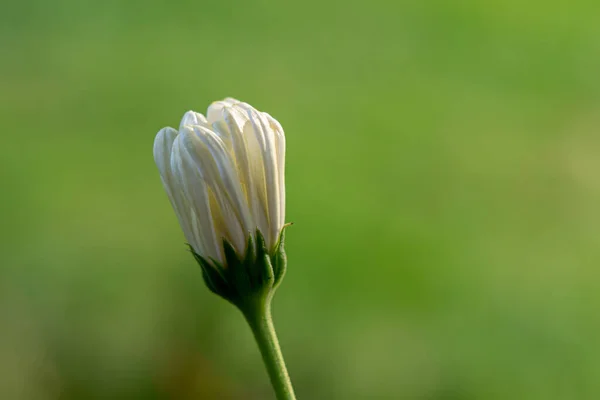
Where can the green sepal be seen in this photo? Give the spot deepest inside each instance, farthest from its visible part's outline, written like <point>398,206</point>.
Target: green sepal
<point>264,268</point>
<point>253,277</point>
<point>213,275</point>
<point>279,258</point>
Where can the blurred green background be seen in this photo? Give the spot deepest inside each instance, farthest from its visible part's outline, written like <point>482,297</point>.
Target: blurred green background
<point>443,175</point>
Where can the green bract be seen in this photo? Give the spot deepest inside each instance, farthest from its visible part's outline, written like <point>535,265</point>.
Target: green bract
<point>254,277</point>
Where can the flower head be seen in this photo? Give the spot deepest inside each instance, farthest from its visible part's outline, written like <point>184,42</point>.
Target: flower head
<point>224,175</point>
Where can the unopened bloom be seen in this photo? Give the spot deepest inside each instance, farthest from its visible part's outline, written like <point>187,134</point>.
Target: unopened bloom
<point>224,176</point>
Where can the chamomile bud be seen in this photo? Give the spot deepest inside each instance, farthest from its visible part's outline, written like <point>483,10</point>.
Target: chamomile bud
<point>224,176</point>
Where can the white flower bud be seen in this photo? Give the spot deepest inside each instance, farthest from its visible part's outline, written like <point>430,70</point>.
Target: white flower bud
<point>224,175</point>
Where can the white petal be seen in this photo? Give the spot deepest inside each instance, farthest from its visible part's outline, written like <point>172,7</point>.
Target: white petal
<point>195,190</point>
<point>266,139</point>
<point>280,151</point>
<point>216,120</point>
<point>163,143</point>
<point>214,112</point>
<point>235,120</point>
<point>163,151</point>
<point>192,118</point>
<point>233,219</point>
<point>250,166</point>
<point>253,173</point>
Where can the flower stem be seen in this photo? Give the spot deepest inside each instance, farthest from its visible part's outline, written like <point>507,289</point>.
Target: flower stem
<point>258,316</point>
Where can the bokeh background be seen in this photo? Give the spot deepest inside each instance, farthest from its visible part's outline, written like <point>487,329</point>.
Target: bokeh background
<point>443,175</point>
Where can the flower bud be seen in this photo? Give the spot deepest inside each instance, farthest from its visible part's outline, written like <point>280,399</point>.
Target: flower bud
<point>224,176</point>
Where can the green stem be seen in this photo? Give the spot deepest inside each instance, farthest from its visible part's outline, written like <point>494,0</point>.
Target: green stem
<point>258,316</point>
